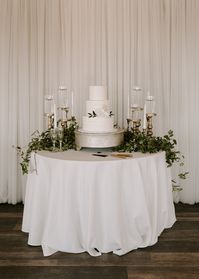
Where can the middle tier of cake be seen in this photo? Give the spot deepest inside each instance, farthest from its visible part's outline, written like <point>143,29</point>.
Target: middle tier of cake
<point>98,124</point>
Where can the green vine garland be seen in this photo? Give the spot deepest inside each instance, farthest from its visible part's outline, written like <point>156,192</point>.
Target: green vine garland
<point>140,142</point>
<point>43,141</point>
<point>133,142</point>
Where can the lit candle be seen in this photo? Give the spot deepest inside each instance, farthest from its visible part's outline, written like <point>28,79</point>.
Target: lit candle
<point>144,119</point>
<point>47,104</point>
<point>128,108</point>
<point>135,106</point>
<point>62,87</point>
<point>63,113</point>
<point>55,116</point>
<point>150,104</point>
<point>150,98</point>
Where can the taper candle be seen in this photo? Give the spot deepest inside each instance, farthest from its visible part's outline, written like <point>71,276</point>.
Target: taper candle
<point>128,108</point>
<point>144,119</point>
<point>72,103</point>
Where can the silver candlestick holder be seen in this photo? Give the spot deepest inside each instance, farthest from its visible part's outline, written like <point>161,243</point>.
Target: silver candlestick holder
<point>136,126</point>
<point>133,125</point>
<point>50,117</point>
<point>64,119</point>
<point>149,130</point>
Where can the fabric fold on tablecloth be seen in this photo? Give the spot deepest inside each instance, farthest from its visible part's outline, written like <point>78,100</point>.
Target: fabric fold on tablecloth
<point>99,206</point>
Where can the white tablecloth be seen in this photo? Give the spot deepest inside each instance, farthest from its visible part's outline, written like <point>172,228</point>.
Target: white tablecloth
<point>77,202</point>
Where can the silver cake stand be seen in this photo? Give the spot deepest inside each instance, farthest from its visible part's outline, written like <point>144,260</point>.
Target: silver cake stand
<point>98,140</point>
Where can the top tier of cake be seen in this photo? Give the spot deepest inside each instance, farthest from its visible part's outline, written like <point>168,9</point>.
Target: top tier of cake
<point>98,93</point>
<point>98,101</point>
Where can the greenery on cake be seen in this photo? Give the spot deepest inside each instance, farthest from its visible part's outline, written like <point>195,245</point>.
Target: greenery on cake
<point>93,114</point>
<point>140,142</point>
<point>111,114</point>
<point>43,141</point>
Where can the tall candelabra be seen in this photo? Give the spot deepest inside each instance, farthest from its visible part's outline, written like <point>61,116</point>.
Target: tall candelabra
<point>64,119</point>
<point>57,108</point>
<point>149,112</point>
<point>49,110</point>
<point>149,130</point>
<point>134,125</point>
<point>135,109</point>
<point>53,123</point>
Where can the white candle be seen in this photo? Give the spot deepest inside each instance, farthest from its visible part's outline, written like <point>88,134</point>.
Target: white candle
<point>62,87</point>
<point>55,116</point>
<point>47,104</point>
<point>144,119</point>
<point>137,88</point>
<point>128,108</point>
<point>72,104</point>
<point>150,98</point>
<point>150,104</point>
<point>63,113</point>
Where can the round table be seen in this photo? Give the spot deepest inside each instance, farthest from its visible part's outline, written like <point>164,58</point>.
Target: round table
<point>77,201</point>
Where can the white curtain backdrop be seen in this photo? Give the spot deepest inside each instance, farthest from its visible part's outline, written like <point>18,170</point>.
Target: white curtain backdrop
<point>77,43</point>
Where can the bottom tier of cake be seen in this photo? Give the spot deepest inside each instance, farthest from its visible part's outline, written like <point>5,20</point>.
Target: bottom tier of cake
<point>98,124</point>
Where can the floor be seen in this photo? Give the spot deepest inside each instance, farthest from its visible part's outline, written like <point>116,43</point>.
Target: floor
<point>176,255</point>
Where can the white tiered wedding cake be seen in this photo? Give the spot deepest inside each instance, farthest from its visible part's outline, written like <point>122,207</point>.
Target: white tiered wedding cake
<point>98,125</point>
<point>99,117</point>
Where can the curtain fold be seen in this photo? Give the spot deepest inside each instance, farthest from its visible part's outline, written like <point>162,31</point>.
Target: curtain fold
<point>118,43</point>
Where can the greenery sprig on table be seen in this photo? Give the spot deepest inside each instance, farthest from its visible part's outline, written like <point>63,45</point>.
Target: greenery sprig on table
<point>43,141</point>
<point>140,142</point>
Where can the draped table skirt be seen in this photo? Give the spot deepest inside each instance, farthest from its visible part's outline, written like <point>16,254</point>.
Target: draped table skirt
<point>77,202</point>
